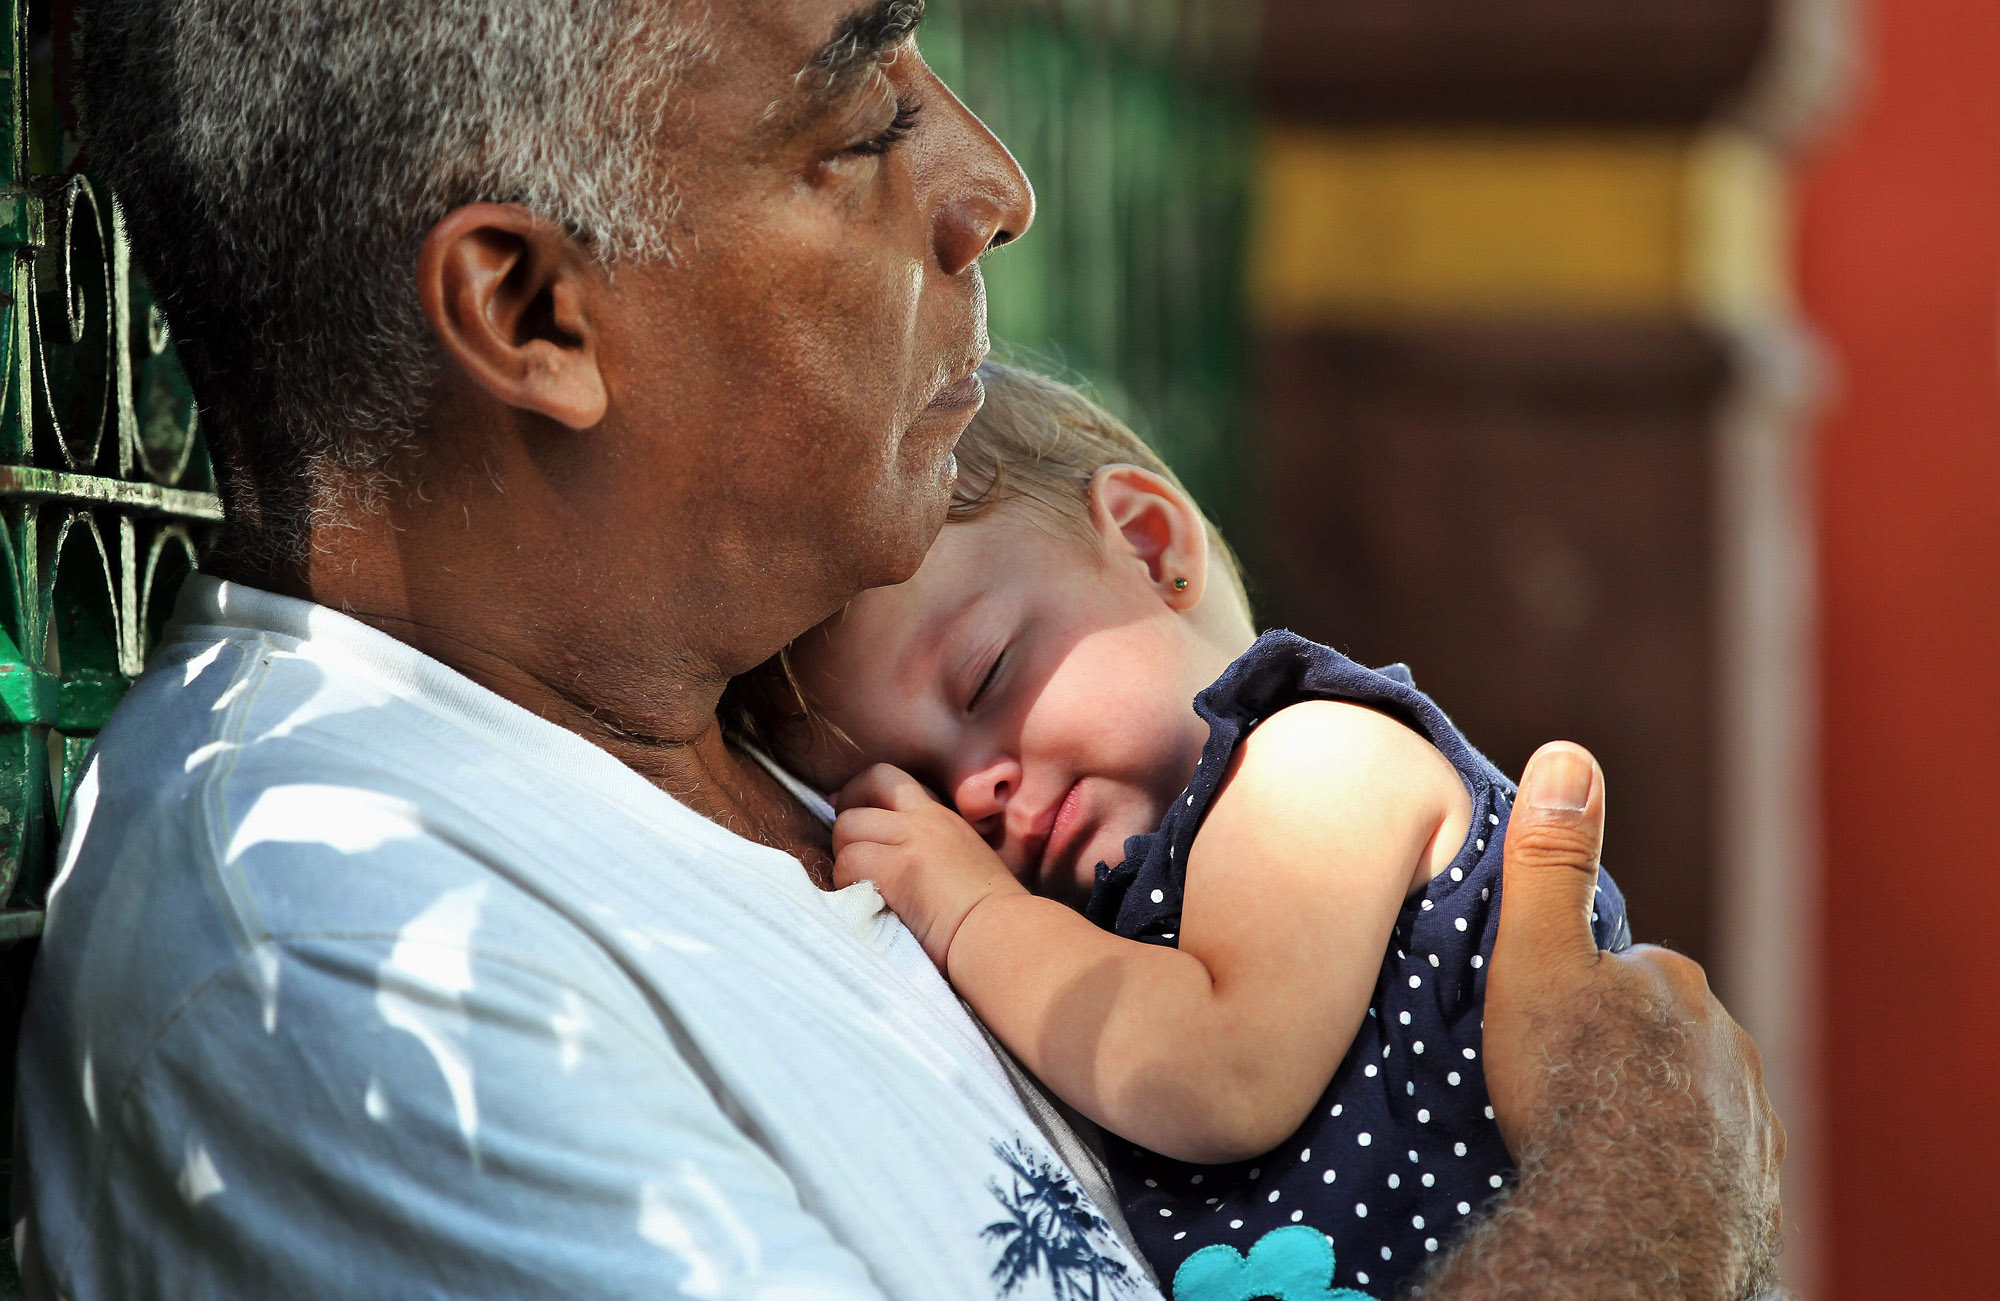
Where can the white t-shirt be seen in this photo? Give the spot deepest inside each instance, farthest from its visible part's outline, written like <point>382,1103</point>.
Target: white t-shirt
<point>360,981</point>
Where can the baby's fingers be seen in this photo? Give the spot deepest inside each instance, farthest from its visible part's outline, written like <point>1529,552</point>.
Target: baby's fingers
<point>857,862</point>
<point>867,825</point>
<point>883,787</point>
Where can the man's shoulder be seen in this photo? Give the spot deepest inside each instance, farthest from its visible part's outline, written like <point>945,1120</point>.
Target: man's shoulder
<point>258,788</point>
<point>248,812</point>
<point>238,687</point>
<point>247,792</point>
<point>228,726</point>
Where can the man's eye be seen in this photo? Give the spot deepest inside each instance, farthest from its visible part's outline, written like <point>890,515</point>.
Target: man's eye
<point>986,683</point>
<point>895,133</point>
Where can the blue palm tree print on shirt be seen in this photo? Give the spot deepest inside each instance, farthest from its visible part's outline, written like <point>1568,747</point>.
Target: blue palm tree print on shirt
<point>1050,1228</point>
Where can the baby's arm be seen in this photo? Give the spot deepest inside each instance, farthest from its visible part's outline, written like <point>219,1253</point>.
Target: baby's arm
<point>1330,816</point>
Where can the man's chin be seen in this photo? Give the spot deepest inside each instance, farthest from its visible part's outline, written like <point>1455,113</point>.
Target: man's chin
<point>906,541</point>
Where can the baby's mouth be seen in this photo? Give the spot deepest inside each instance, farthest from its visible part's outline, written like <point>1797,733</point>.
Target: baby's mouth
<point>1059,843</point>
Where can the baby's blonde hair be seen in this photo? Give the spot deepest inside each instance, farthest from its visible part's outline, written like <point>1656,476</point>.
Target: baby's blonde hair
<point>1034,446</point>
<point>1038,441</point>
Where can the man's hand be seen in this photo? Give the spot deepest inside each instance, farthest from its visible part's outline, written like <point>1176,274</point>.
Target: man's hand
<point>1633,1104</point>
<point>928,862</point>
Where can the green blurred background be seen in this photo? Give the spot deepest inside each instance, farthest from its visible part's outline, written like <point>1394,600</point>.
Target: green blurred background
<point>1137,125</point>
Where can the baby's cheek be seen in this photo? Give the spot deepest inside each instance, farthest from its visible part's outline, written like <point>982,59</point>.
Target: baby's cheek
<point>1096,685</point>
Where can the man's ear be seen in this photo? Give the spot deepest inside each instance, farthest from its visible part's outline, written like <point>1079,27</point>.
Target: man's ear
<point>1144,519</point>
<point>509,296</point>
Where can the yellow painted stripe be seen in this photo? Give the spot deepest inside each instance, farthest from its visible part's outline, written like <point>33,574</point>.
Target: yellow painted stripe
<point>1376,226</point>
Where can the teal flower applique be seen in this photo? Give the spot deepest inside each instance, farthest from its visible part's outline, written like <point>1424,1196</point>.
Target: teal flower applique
<point>1294,1263</point>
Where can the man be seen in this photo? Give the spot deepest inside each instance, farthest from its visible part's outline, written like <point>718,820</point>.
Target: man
<point>418,931</point>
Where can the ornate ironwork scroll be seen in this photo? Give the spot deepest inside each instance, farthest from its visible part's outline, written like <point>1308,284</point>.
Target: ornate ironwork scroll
<point>105,490</point>
<point>104,487</point>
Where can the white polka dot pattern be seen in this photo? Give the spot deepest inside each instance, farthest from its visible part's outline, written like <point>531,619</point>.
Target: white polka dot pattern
<point>1406,1112</point>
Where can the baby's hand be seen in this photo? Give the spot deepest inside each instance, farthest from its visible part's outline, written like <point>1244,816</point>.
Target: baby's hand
<point>928,862</point>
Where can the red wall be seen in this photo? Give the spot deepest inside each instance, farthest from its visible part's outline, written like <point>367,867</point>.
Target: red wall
<point>1901,269</point>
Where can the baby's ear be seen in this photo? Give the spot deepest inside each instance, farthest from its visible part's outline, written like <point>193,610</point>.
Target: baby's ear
<point>1142,518</point>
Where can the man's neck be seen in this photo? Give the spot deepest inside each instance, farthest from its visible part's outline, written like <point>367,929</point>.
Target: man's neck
<point>658,717</point>
<point>678,744</point>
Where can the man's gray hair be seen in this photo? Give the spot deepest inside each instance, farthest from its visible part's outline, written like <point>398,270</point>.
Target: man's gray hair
<point>279,163</point>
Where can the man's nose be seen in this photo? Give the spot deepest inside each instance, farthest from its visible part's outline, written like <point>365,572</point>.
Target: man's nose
<point>988,201</point>
<point>982,797</point>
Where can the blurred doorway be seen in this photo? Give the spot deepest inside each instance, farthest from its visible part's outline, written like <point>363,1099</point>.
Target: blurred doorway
<point>1534,395</point>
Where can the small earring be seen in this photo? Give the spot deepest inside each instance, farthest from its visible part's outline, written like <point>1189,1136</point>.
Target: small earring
<point>1180,584</point>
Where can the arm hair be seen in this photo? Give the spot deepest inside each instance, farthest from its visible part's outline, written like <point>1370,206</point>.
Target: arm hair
<point>1627,1190</point>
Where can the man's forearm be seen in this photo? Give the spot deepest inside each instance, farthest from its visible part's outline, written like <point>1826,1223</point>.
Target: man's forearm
<point>1631,1188</point>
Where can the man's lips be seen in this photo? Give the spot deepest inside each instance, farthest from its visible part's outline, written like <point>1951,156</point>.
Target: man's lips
<point>962,398</point>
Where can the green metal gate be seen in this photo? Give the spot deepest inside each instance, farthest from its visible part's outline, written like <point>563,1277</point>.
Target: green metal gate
<point>105,491</point>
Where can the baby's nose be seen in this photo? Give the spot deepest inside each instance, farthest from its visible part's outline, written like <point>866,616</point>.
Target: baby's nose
<point>982,797</point>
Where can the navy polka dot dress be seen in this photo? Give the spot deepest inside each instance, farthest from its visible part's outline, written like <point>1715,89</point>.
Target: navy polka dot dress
<point>1402,1149</point>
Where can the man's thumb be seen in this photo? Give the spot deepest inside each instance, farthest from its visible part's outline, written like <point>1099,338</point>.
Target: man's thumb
<point>1549,880</point>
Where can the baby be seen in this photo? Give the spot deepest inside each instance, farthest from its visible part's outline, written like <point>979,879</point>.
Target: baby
<point>1247,938</point>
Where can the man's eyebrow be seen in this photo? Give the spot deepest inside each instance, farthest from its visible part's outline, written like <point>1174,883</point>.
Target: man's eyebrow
<point>862,40</point>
